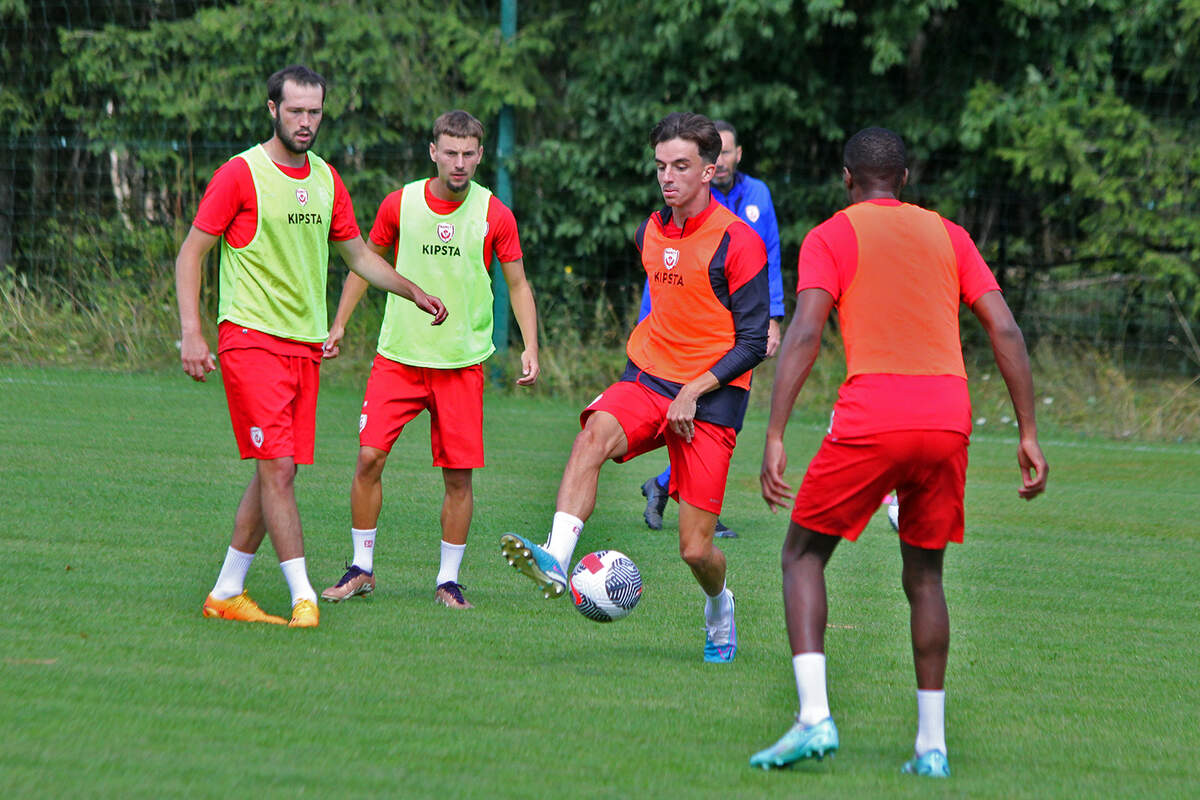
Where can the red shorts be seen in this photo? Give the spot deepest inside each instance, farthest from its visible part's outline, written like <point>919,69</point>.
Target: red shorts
<point>396,393</point>
<point>272,402</point>
<point>847,478</point>
<point>699,468</point>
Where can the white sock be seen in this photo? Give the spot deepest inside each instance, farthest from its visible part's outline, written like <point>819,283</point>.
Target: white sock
<point>564,535</point>
<point>364,548</point>
<point>232,579</point>
<point>296,575</point>
<point>810,686</point>
<point>931,721</point>
<point>718,616</point>
<point>452,556</point>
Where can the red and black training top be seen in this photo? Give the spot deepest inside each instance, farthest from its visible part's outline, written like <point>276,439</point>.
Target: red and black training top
<point>710,307</point>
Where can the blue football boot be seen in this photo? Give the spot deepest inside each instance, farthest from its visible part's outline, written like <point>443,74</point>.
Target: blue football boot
<point>932,764</point>
<point>722,653</point>
<point>800,742</point>
<point>534,562</point>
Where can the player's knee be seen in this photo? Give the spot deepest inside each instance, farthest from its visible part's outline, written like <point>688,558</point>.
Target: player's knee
<point>919,582</point>
<point>458,483</point>
<point>695,553</point>
<point>370,463</point>
<point>278,472</point>
<point>792,551</point>
<point>804,545</point>
<point>590,447</point>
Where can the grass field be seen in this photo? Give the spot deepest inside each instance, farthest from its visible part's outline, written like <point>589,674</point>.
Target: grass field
<point>1073,666</point>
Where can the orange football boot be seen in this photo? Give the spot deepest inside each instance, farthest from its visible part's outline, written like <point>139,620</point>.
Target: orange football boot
<point>240,608</point>
<point>304,615</point>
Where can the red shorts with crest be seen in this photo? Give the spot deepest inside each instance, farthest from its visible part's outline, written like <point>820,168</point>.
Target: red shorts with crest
<point>699,468</point>
<point>272,402</point>
<point>848,477</point>
<point>396,393</point>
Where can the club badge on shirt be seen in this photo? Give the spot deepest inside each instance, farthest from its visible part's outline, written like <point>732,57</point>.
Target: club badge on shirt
<point>752,213</point>
<point>302,196</point>
<point>445,231</point>
<point>670,257</point>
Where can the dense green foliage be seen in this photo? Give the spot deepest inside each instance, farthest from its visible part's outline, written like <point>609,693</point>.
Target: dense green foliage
<point>1062,133</point>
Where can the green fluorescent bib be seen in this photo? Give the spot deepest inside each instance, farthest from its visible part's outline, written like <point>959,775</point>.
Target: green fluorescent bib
<point>276,283</point>
<point>443,254</point>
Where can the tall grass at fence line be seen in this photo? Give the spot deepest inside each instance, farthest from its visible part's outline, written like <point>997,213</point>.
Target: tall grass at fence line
<point>109,323</point>
<point>1089,392</point>
<point>114,322</point>
<point>1077,388</point>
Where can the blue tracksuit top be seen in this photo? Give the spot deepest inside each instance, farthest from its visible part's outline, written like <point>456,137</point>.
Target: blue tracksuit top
<point>750,199</point>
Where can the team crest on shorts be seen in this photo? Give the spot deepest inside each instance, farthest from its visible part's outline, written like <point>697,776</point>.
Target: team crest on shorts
<point>302,196</point>
<point>752,213</point>
<point>362,421</point>
<point>670,257</point>
<point>256,436</point>
<point>445,231</point>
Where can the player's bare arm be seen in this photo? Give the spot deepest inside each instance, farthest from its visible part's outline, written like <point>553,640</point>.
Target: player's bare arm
<point>797,354</point>
<point>197,359</point>
<point>370,266</point>
<point>352,291</point>
<point>1008,347</point>
<point>520,295</point>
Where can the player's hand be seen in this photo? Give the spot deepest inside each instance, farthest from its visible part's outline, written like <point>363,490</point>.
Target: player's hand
<point>773,337</point>
<point>1033,469</point>
<point>195,356</point>
<point>775,490</point>
<point>333,343</point>
<point>431,305</point>
<point>681,416</point>
<point>529,369</point>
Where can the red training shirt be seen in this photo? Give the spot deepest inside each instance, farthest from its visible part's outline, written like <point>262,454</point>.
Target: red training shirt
<point>229,208</point>
<point>709,309</point>
<point>880,402</point>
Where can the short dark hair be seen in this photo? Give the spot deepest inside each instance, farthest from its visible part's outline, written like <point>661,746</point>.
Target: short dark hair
<point>876,155</point>
<point>296,73</point>
<point>458,124</point>
<point>691,128</point>
<point>722,126</point>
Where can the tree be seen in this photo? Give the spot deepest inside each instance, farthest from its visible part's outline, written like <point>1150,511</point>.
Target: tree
<point>1060,132</point>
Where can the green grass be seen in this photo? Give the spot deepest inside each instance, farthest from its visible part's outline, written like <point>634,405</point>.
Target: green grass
<point>1073,656</point>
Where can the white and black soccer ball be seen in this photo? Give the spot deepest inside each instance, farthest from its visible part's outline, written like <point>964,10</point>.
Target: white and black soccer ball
<point>606,585</point>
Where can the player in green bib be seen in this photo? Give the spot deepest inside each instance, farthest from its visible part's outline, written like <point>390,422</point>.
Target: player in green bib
<point>275,209</point>
<point>443,232</point>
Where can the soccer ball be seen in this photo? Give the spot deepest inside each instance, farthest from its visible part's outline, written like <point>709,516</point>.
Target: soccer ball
<point>606,585</point>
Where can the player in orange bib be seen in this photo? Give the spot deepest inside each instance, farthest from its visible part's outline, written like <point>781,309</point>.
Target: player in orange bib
<point>274,210</point>
<point>896,273</point>
<point>687,380</point>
